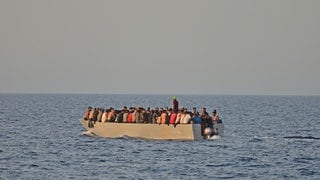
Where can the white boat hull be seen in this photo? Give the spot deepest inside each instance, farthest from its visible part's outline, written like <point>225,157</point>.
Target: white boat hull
<point>145,131</point>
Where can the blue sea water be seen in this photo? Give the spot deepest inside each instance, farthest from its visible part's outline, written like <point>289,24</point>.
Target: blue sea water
<point>265,137</point>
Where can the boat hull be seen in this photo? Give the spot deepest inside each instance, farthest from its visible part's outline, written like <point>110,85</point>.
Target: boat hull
<point>145,131</point>
<point>149,131</point>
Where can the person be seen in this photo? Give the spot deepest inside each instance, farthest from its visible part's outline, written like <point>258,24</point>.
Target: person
<point>130,115</point>
<point>99,116</point>
<point>104,116</point>
<point>206,121</point>
<point>125,114</point>
<point>156,113</point>
<point>173,117</point>
<point>90,122</point>
<point>111,115</point>
<point>185,118</point>
<point>175,104</point>
<point>169,112</point>
<point>195,116</point>
<point>149,115</point>
<point>137,115</point>
<point>87,113</point>
<point>204,114</point>
<point>95,114</point>
<point>215,117</point>
<point>119,116</point>
<point>143,115</point>
<point>194,112</point>
<point>179,117</point>
<point>163,117</point>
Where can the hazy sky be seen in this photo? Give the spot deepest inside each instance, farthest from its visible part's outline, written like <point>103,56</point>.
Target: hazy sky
<point>160,47</point>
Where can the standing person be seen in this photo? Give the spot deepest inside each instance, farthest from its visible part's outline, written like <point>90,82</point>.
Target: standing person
<point>175,104</point>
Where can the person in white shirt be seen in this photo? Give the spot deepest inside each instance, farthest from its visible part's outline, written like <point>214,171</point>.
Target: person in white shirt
<point>185,117</point>
<point>104,116</point>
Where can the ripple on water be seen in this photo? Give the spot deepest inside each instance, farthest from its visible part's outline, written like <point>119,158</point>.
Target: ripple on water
<point>44,140</point>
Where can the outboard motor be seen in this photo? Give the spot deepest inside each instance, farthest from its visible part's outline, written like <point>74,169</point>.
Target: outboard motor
<point>215,131</point>
<point>209,132</point>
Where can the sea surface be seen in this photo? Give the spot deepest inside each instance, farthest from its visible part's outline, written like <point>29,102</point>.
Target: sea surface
<point>265,137</point>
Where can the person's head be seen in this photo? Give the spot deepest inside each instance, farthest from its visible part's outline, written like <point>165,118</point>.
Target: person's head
<point>214,112</point>
<point>174,98</point>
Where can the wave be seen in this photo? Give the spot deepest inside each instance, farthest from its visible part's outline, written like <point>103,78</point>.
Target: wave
<point>214,137</point>
<point>87,133</point>
<point>301,137</point>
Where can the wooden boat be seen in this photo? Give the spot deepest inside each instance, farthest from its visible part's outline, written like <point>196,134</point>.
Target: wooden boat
<point>148,131</point>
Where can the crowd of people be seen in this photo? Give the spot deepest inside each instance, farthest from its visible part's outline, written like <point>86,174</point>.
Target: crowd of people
<point>173,116</point>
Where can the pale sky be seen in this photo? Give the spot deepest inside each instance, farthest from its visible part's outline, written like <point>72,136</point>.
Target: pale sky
<point>265,47</point>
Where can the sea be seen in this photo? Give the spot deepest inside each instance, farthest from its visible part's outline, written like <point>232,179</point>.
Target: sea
<point>265,137</point>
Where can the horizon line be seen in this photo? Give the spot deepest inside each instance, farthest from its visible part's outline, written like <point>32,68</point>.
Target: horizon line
<point>147,94</point>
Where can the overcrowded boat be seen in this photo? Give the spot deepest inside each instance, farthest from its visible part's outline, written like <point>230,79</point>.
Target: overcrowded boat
<point>158,123</point>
